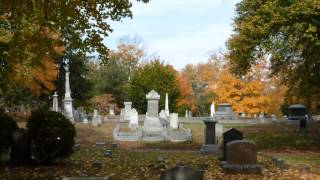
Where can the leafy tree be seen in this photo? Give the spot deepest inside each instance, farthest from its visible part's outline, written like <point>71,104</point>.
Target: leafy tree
<point>32,31</point>
<point>288,32</point>
<point>157,76</point>
<point>111,78</point>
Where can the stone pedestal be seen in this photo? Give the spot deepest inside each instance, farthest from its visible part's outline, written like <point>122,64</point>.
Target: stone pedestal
<point>152,122</point>
<point>210,145</point>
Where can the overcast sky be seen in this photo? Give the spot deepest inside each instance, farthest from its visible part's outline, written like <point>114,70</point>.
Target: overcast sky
<point>179,31</point>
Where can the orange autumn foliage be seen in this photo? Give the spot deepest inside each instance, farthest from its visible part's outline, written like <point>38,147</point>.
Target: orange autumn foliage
<point>246,96</point>
<point>185,99</point>
<point>39,78</point>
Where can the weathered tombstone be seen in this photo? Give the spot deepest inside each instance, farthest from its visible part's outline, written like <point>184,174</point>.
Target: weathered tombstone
<point>95,118</point>
<point>152,122</point>
<point>20,148</point>
<point>127,110</point>
<point>111,110</point>
<point>182,173</point>
<point>190,114</point>
<point>100,143</point>
<point>163,115</point>
<point>274,118</point>
<point>96,164</point>
<point>108,153</point>
<point>114,145</point>
<point>225,111</point>
<point>84,117</point>
<point>242,157</point>
<point>210,145</point>
<point>228,136</point>
<point>76,147</point>
<point>262,118</point>
<point>298,114</point>
<point>174,121</point>
<point>76,115</point>
<point>134,119</point>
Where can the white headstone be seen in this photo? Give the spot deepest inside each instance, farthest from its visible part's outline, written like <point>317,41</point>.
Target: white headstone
<point>163,115</point>
<point>174,121</point>
<point>55,106</point>
<point>111,110</point>
<point>134,119</point>
<point>212,110</point>
<point>85,118</point>
<point>67,97</point>
<point>187,114</point>
<point>127,110</point>
<point>152,122</point>
<point>95,118</point>
<point>167,106</point>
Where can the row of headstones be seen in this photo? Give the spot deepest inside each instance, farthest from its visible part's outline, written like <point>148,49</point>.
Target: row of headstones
<point>130,114</point>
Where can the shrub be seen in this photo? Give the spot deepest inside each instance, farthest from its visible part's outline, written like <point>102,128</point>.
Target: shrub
<point>7,126</point>
<point>52,136</point>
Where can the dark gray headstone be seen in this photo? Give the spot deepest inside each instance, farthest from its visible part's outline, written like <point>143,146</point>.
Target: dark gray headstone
<point>20,148</point>
<point>241,152</point>
<point>96,164</point>
<point>228,136</point>
<point>100,143</point>
<point>210,137</point>
<point>182,173</point>
<point>76,147</point>
<point>108,153</point>
<point>114,145</point>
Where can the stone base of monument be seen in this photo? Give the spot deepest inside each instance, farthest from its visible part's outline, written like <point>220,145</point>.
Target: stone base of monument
<point>209,149</point>
<point>241,168</point>
<point>144,134</point>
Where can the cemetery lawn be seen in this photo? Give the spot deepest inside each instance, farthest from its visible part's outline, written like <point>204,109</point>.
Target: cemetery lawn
<point>137,160</point>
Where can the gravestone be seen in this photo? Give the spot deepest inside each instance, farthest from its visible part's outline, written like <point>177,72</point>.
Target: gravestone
<point>152,122</point>
<point>182,172</point>
<point>242,157</point>
<point>20,148</point>
<point>163,115</point>
<point>134,119</point>
<point>95,118</point>
<point>127,110</point>
<point>303,125</point>
<point>228,136</point>
<point>84,117</point>
<point>210,145</point>
<point>225,111</point>
<point>174,121</point>
<point>76,147</point>
<point>111,110</point>
<point>108,153</point>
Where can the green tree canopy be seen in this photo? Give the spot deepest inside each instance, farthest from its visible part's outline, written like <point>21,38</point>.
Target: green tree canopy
<point>287,32</point>
<point>157,76</point>
<point>32,29</point>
